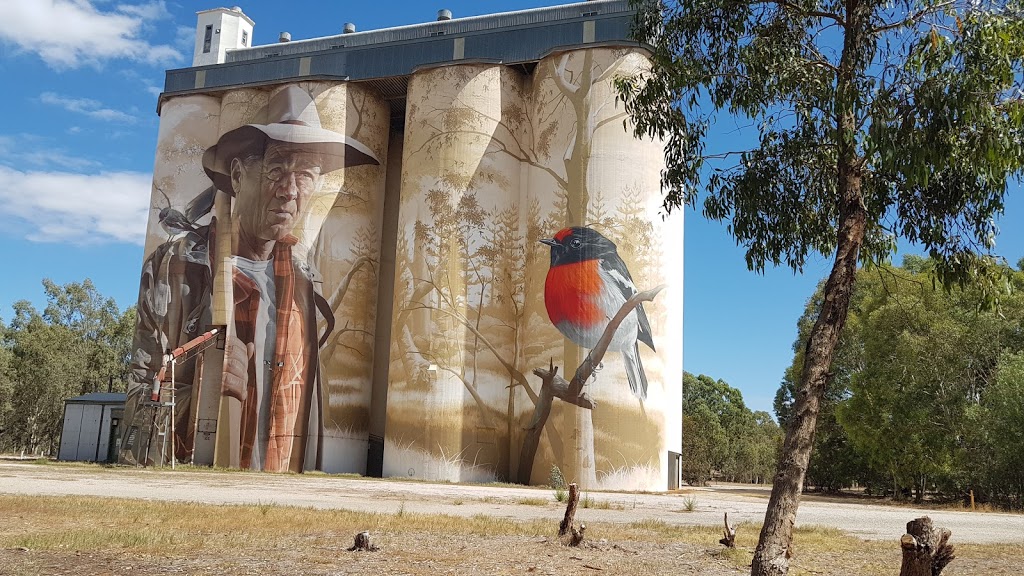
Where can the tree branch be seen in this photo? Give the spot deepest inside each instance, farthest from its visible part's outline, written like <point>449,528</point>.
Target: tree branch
<point>813,13</point>
<point>913,19</point>
<point>508,367</point>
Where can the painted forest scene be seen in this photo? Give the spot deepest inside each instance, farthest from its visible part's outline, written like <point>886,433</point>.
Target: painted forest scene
<point>494,162</point>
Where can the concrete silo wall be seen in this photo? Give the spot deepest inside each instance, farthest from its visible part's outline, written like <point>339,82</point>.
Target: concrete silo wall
<point>522,213</point>
<point>267,228</point>
<point>455,325</point>
<point>494,162</point>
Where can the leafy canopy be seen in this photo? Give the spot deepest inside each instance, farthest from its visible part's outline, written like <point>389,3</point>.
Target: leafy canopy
<point>920,99</point>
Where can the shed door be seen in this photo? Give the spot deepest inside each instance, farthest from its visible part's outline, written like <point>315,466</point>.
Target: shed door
<point>88,442</point>
<point>104,435</point>
<point>70,433</point>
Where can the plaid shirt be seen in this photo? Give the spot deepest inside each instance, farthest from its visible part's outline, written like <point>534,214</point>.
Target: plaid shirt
<point>293,373</point>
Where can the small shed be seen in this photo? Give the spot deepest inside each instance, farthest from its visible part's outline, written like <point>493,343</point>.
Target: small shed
<point>91,424</point>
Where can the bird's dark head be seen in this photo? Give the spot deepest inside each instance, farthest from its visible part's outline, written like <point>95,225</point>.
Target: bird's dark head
<point>578,243</point>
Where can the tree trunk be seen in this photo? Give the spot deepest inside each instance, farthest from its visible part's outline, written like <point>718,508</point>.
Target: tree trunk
<point>774,548</point>
<point>771,558</point>
<point>570,510</point>
<point>926,549</point>
<point>729,534</point>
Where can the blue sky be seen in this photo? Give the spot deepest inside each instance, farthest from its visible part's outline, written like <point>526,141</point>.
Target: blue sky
<point>77,138</point>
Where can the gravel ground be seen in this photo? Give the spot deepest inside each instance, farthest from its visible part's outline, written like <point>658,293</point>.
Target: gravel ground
<point>743,503</point>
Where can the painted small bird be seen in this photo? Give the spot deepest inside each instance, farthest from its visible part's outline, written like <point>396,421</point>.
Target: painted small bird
<point>586,285</point>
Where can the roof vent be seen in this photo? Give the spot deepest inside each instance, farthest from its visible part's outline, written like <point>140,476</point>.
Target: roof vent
<point>349,28</point>
<point>284,37</point>
<point>444,14</point>
<point>236,9</point>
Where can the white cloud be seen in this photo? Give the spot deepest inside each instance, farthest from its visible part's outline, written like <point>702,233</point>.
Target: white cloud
<point>31,150</point>
<point>86,106</point>
<point>73,33</point>
<point>76,208</point>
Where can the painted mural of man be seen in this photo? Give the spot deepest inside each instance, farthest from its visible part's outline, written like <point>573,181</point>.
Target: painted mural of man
<point>271,361</point>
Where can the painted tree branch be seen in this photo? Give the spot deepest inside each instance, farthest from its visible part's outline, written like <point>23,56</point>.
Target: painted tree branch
<point>339,294</point>
<point>515,374</point>
<point>554,386</point>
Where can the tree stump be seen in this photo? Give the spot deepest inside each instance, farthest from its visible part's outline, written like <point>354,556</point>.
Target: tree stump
<point>577,535</point>
<point>926,549</point>
<point>363,544</point>
<point>729,541</point>
<point>570,510</point>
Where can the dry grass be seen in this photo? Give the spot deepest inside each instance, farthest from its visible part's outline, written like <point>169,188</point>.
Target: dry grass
<point>84,535</point>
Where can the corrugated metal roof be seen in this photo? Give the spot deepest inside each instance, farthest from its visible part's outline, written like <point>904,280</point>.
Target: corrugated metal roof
<point>99,398</point>
<point>455,26</point>
<point>382,55</point>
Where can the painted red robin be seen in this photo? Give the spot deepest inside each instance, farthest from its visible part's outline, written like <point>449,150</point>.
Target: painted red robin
<point>586,285</point>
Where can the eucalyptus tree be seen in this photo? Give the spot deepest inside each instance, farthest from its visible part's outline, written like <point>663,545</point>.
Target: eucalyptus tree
<point>875,119</point>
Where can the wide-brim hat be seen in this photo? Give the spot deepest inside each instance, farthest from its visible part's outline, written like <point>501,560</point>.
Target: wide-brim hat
<point>293,120</point>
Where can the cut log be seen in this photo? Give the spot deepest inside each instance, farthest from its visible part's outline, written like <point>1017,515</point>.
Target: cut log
<point>926,549</point>
<point>577,535</point>
<point>570,510</point>
<point>729,541</point>
<point>363,544</point>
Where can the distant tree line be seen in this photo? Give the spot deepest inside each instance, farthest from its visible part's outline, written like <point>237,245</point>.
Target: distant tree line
<point>926,392</point>
<point>80,343</point>
<point>722,438</point>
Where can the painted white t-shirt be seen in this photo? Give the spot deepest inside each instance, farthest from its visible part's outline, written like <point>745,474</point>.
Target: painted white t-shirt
<point>262,273</point>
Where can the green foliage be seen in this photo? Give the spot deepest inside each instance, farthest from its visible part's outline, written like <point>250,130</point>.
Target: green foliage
<point>77,345</point>
<point>911,109</point>
<point>926,389</point>
<point>557,481</point>
<point>1004,414</point>
<point>722,437</point>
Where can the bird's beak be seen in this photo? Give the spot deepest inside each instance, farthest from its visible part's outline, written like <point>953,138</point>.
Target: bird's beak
<point>549,241</point>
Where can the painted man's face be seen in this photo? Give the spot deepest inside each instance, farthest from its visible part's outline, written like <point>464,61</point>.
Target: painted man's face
<point>269,195</point>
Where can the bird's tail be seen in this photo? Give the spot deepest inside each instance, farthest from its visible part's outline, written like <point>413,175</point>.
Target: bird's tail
<point>635,372</point>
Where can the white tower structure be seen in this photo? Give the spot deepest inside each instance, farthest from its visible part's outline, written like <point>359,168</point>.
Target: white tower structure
<point>218,31</point>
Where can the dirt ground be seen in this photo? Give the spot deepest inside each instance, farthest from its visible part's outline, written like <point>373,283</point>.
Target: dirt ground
<point>322,548</point>
<point>414,555</point>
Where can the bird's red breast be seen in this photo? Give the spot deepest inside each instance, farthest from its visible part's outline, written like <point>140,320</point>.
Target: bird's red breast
<point>571,293</point>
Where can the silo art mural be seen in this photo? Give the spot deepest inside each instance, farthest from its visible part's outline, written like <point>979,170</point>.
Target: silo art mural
<point>525,216</point>
<point>243,187</point>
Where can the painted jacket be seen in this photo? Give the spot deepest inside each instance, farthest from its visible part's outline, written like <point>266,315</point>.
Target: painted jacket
<point>174,306</point>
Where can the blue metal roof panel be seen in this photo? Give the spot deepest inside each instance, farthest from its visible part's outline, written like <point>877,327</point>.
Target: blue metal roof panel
<point>99,398</point>
<point>510,38</point>
<point>457,26</point>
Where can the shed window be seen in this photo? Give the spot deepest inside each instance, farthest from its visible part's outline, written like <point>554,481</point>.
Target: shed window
<point>245,37</point>
<point>208,39</point>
